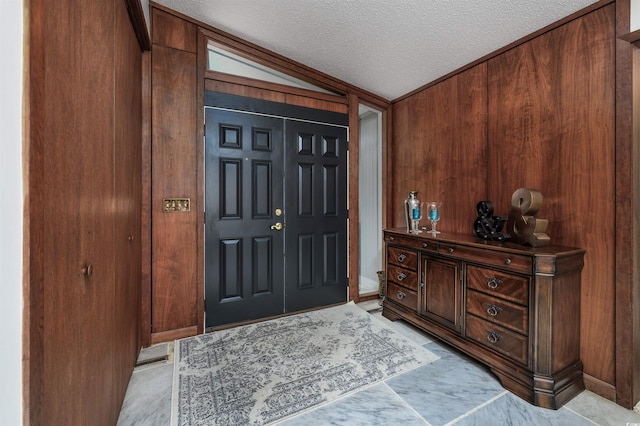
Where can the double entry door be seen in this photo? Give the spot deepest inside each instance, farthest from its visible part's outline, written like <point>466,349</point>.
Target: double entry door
<point>275,208</point>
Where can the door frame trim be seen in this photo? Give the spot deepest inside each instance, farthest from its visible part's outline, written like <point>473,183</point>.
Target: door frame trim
<point>286,117</point>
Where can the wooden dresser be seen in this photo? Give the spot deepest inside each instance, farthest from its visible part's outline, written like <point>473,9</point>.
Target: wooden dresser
<point>512,307</point>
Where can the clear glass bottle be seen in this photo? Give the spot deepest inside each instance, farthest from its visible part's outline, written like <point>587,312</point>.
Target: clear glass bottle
<point>413,212</point>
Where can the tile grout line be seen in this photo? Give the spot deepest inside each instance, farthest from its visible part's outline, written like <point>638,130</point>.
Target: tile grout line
<point>581,415</point>
<point>354,392</point>
<point>406,403</point>
<point>473,410</point>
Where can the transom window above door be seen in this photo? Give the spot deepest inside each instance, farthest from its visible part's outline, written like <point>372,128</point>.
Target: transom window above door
<point>224,61</point>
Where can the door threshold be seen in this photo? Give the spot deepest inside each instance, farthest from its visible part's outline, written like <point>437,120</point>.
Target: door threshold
<point>241,323</point>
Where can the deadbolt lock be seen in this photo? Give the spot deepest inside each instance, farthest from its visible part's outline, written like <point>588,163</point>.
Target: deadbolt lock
<point>278,226</point>
<point>278,212</point>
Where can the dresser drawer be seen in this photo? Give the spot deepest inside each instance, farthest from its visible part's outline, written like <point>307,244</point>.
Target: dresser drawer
<point>511,287</point>
<point>498,311</point>
<point>403,277</point>
<point>402,295</point>
<point>490,335</point>
<point>412,242</point>
<point>508,261</point>
<point>403,257</point>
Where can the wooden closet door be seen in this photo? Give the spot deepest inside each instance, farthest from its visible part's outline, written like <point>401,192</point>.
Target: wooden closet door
<point>78,232</point>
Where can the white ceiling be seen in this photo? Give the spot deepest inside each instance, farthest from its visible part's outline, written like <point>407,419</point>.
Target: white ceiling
<point>387,47</point>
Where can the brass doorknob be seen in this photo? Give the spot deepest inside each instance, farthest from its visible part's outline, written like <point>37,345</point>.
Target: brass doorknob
<point>278,226</point>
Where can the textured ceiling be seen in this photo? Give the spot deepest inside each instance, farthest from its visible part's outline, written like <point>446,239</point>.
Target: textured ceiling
<point>387,47</point>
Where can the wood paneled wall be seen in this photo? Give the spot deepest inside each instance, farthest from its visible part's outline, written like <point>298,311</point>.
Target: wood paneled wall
<point>175,293</point>
<point>540,114</point>
<point>551,127</point>
<point>82,211</point>
<point>439,149</point>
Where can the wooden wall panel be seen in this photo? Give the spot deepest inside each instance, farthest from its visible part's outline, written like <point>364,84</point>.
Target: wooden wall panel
<point>277,93</point>
<point>316,103</point>
<point>627,200</point>
<point>81,347</point>
<point>145,237</point>
<point>439,150</point>
<point>128,189</point>
<point>551,120</point>
<point>174,256</point>
<point>247,91</point>
<point>631,337</point>
<point>171,31</point>
<point>353,202</point>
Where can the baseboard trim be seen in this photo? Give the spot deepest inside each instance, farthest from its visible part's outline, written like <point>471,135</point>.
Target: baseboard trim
<point>368,296</point>
<point>167,336</point>
<point>602,388</point>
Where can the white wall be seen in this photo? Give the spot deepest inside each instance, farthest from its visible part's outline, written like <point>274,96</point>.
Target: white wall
<point>145,9</point>
<point>635,15</point>
<point>11,27</point>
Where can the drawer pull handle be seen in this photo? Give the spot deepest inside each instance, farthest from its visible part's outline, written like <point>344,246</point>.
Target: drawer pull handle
<point>401,257</point>
<point>87,270</point>
<point>492,336</point>
<point>450,249</point>
<point>493,310</point>
<point>425,245</point>
<point>402,295</point>
<point>401,276</point>
<point>493,282</point>
<point>507,261</point>
<point>391,238</point>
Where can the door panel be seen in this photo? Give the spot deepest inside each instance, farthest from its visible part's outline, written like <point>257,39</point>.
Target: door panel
<point>316,232</point>
<point>441,299</point>
<point>243,255</point>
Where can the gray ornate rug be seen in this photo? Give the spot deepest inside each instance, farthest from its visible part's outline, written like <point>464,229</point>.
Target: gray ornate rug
<point>265,372</point>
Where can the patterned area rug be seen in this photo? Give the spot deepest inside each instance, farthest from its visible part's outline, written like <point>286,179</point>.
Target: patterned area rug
<point>265,372</point>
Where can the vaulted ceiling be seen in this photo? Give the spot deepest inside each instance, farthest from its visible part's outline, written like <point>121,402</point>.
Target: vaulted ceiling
<point>387,47</point>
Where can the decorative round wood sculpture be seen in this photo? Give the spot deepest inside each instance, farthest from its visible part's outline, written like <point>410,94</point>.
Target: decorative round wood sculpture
<point>522,224</point>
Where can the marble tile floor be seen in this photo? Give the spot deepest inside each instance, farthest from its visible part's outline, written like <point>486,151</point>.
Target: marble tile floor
<point>454,390</point>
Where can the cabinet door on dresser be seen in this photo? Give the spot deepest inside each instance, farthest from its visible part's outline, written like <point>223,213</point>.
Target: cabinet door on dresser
<point>402,276</point>
<point>441,291</point>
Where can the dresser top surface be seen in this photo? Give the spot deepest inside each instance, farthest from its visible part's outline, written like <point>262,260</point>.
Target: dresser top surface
<point>472,241</point>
